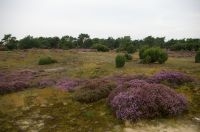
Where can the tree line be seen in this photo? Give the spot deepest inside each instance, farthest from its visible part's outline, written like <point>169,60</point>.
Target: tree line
<point>9,42</point>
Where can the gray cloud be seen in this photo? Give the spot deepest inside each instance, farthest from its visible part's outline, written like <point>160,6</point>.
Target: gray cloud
<point>101,18</point>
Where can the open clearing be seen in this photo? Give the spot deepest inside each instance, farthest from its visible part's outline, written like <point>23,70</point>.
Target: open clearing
<point>51,109</point>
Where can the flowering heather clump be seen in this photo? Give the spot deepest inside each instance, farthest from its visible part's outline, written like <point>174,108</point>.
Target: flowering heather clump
<point>16,81</point>
<point>172,77</point>
<point>94,90</point>
<point>125,87</point>
<point>68,84</point>
<point>120,79</point>
<point>46,83</point>
<point>145,100</point>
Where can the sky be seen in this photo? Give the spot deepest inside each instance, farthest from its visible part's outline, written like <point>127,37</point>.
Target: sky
<point>101,18</point>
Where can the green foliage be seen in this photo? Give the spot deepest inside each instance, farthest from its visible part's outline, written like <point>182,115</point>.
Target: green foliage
<point>126,44</point>
<point>152,55</point>
<point>120,61</point>
<point>46,61</point>
<point>163,56</point>
<point>8,42</point>
<point>28,42</point>
<point>94,90</point>
<point>128,57</point>
<point>152,42</point>
<point>67,42</point>
<point>130,49</point>
<point>11,45</point>
<point>147,59</point>
<point>197,57</point>
<point>84,41</point>
<point>188,44</point>
<point>101,47</point>
<point>141,51</point>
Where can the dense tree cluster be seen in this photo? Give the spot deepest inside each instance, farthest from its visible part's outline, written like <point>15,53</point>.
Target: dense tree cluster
<point>8,42</point>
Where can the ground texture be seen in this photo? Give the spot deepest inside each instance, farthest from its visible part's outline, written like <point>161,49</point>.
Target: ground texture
<point>44,106</point>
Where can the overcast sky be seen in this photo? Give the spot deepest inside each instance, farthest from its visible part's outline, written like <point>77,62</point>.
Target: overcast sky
<point>101,18</point>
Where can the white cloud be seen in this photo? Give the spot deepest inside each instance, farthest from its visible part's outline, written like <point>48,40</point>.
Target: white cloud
<point>101,18</point>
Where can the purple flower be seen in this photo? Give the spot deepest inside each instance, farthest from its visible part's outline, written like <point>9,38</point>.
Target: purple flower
<point>16,81</point>
<point>138,99</point>
<point>170,77</point>
<point>68,84</point>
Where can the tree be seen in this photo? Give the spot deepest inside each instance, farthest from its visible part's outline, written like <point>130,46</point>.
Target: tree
<point>54,42</point>
<point>159,42</point>
<point>43,43</point>
<point>67,42</point>
<point>82,38</point>
<point>110,42</point>
<point>126,44</point>
<point>169,43</point>
<point>28,42</point>
<point>9,42</point>
<point>149,41</point>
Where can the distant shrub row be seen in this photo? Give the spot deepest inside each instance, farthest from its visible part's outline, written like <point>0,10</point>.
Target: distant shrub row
<point>185,46</point>
<point>124,44</point>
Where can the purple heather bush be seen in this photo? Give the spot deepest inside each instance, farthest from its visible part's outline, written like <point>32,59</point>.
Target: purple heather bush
<point>46,82</point>
<point>94,90</point>
<point>122,87</point>
<point>138,99</point>
<point>16,81</point>
<point>68,84</point>
<point>171,77</point>
<point>121,79</point>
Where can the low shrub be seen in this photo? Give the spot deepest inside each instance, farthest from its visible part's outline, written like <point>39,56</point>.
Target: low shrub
<point>131,49</point>
<point>152,55</point>
<point>46,61</point>
<point>93,91</point>
<point>142,100</point>
<point>101,48</point>
<point>120,61</point>
<point>141,51</point>
<point>16,81</point>
<point>122,87</point>
<point>128,57</point>
<point>197,57</point>
<point>9,87</point>
<point>69,84</point>
<point>172,77</point>
<point>46,83</point>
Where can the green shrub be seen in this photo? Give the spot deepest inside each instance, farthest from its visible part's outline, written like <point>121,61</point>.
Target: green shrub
<point>152,55</point>
<point>141,51</point>
<point>163,56</point>
<point>93,91</point>
<point>120,61</point>
<point>128,56</point>
<point>130,49</point>
<point>147,59</point>
<point>46,61</point>
<point>197,57</point>
<point>101,47</point>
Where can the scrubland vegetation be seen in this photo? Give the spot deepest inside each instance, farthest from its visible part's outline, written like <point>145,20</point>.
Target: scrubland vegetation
<point>122,85</point>
<point>125,43</point>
